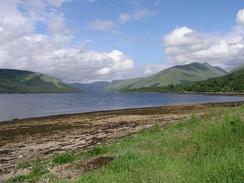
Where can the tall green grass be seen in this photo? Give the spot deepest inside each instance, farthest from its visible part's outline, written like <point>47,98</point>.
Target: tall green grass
<point>204,149</point>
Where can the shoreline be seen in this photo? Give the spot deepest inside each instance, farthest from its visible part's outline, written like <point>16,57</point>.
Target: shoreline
<point>44,137</point>
<point>189,93</point>
<point>208,93</point>
<point>162,92</point>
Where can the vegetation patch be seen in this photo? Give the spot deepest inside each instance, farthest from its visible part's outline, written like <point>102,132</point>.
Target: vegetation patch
<point>63,158</point>
<point>97,150</point>
<point>37,171</point>
<point>27,164</point>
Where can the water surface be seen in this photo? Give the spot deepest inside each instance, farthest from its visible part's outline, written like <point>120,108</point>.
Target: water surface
<point>18,106</point>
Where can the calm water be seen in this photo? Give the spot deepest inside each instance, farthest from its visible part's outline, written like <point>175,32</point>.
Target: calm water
<point>19,106</point>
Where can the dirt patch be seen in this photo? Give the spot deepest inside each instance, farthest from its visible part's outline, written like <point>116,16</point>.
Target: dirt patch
<point>97,163</point>
<point>74,170</point>
<point>69,171</point>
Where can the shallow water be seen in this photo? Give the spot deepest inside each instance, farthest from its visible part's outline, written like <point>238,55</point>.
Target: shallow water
<point>18,106</point>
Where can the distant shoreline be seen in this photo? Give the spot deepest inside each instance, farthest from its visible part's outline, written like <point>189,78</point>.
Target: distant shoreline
<point>208,93</point>
<point>196,93</point>
<point>187,93</point>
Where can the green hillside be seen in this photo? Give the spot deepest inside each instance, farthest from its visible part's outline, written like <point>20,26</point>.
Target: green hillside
<point>18,81</point>
<point>180,74</point>
<point>233,82</point>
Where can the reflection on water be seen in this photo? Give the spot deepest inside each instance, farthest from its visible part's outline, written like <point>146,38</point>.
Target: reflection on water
<point>14,106</point>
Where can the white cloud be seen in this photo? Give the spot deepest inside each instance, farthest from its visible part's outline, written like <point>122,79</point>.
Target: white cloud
<point>58,29</point>
<point>135,15</point>
<point>182,36</point>
<point>184,45</point>
<point>151,69</point>
<point>22,48</point>
<point>104,71</point>
<point>105,25</point>
<point>57,25</point>
<point>240,17</point>
<point>101,25</point>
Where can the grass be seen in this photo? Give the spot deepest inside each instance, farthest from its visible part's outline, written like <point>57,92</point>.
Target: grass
<point>209,149</point>
<point>206,149</point>
<point>37,171</point>
<point>63,158</point>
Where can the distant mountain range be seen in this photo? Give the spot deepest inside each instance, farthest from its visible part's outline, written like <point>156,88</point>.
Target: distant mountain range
<point>191,77</point>
<point>180,74</point>
<point>100,86</point>
<point>18,81</point>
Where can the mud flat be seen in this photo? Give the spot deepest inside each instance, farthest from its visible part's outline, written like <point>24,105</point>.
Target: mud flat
<point>43,137</point>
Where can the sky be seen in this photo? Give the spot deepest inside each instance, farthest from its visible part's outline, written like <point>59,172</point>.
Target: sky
<point>94,40</point>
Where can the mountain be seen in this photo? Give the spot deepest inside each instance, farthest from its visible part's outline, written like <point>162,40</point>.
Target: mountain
<point>99,86</point>
<point>179,74</point>
<point>232,82</point>
<point>18,81</point>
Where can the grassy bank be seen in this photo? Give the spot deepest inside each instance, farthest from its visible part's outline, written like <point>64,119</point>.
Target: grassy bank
<point>205,149</point>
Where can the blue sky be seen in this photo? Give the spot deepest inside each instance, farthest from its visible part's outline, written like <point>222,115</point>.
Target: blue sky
<point>141,40</point>
<point>91,40</point>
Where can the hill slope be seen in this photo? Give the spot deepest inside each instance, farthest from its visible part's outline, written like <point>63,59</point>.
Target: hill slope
<point>172,76</point>
<point>99,86</point>
<point>233,82</point>
<point>18,81</point>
